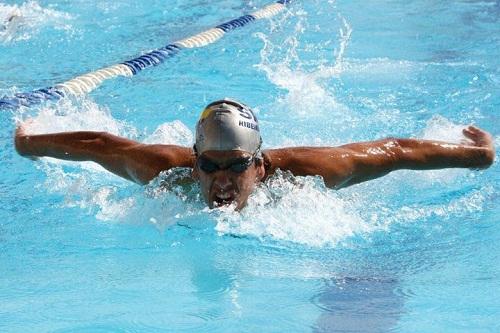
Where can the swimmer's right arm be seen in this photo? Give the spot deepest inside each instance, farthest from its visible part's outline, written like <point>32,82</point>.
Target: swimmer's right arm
<point>126,158</point>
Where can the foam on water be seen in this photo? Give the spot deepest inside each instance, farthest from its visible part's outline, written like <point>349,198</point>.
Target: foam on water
<point>302,210</point>
<point>86,191</point>
<point>21,22</point>
<point>471,202</point>
<point>299,210</point>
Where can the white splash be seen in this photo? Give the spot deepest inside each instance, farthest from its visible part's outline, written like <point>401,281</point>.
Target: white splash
<point>327,72</point>
<point>91,187</point>
<point>291,209</point>
<point>82,188</point>
<point>122,201</point>
<point>302,210</point>
<point>174,132</point>
<point>79,115</point>
<point>283,66</point>
<point>377,69</point>
<point>21,22</point>
<point>299,210</point>
<point>440,128</point>
<point>470,203</point>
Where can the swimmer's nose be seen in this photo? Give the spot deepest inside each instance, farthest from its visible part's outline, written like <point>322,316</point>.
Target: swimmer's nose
<point>222,180</point>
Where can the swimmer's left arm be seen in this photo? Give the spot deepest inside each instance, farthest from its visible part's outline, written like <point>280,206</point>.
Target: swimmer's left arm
<point>358,162</point>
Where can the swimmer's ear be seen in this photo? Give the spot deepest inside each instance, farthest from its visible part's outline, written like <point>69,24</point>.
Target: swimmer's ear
<point>261,170</point>
<point>194,173</point>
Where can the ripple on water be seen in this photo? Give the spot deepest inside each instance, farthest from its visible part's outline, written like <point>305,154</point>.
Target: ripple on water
<point>97,328</point>
<point>173,321</point>
<point>361,304</point>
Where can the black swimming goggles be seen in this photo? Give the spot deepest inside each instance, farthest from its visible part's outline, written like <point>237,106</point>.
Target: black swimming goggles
<point>239,165</point>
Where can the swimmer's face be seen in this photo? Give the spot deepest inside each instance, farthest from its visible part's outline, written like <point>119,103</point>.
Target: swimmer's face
<point>227,177</point>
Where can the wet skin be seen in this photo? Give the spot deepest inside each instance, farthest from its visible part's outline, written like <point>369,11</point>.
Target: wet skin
<point>224,186</point>
<point>340,166</point>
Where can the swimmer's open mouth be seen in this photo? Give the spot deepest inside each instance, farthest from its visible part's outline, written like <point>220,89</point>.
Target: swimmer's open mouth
<point>223,199</point>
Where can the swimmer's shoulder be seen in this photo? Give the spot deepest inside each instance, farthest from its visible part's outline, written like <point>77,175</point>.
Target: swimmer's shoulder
<point>168,155</point>
<point>277,158</point>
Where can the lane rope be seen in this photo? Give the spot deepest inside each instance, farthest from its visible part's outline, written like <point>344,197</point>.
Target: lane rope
<point>84,84</point>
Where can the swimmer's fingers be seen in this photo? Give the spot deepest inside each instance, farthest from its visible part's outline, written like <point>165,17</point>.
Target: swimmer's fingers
<point>470,132</point>
<point>479,137</point>
<point>484,141</point>
<point>469,136</point>
<point>21,139</point>
<point>20,130</point>
<point>22,126</point>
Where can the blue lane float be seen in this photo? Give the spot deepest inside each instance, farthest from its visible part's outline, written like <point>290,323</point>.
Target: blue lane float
<point>152,58</point>
<point>84,84</point>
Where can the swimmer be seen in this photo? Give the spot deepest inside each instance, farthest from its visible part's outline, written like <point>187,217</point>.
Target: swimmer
<point>228,162</point>
<point>12,17</point>
<point>10,24</point>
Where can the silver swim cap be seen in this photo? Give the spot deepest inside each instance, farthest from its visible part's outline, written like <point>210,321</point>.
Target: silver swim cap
<point>228,125</point>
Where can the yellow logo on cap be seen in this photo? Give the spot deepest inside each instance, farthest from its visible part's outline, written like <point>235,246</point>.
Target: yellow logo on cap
<point>206,113</point>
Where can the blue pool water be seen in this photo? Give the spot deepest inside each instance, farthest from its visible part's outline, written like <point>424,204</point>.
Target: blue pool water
<point>84,251</point>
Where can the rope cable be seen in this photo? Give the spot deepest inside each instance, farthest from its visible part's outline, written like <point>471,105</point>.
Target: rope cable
<point>85,83</point>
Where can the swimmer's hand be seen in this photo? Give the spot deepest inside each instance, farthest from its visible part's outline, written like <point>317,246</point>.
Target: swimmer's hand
<point>482,140</point>
<point>21,140</point>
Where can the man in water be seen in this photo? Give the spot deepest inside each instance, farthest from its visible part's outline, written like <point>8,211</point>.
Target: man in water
<point>228,162</point>
<point>12,18</point>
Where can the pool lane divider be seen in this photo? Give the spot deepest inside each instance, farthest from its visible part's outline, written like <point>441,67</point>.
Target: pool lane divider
<point>84,84</point>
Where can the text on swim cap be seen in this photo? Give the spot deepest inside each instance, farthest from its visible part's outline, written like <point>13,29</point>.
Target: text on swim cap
<point>248,125</point>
